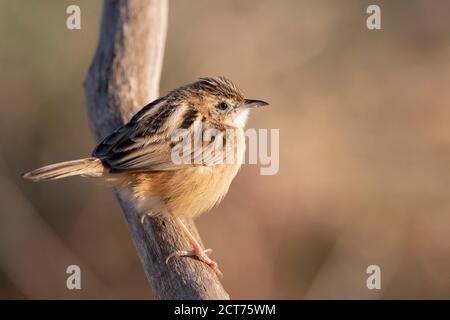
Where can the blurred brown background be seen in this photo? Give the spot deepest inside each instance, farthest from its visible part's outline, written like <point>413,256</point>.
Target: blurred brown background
<point>364,150</point>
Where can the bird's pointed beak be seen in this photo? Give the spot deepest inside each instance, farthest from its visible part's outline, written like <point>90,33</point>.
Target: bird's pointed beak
<point>250,103</point>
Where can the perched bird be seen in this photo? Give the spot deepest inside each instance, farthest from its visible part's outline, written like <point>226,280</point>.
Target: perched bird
<point>177,155</point>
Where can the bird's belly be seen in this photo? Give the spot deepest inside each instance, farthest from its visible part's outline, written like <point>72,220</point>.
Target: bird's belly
<point>199,189</point>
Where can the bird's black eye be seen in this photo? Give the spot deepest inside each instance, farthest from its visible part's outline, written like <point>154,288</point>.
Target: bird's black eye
<point>222,106</point>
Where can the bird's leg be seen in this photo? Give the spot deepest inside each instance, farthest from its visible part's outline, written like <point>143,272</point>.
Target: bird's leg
<point>197,250</point>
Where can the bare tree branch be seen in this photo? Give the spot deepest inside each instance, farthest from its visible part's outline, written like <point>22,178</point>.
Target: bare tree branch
<point>123,77</point>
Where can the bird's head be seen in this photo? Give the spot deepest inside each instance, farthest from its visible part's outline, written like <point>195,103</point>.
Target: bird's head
<point>219,100</point>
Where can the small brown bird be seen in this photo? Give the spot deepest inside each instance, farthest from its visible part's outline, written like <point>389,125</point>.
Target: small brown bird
<point>157,155</point>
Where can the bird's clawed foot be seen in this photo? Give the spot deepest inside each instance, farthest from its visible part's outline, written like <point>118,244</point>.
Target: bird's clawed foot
<point>199,254</point>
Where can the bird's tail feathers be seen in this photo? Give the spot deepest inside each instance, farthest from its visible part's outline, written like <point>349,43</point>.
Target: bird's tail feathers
<point>88,167</point>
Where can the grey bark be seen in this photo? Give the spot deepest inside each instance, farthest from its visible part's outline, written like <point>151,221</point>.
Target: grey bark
<point>123,77</point>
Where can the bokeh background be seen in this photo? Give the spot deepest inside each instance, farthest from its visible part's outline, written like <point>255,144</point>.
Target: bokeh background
<point>364,150</point>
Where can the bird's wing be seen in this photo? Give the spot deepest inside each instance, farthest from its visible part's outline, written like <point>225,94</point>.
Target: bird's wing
<point>151,142</point>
